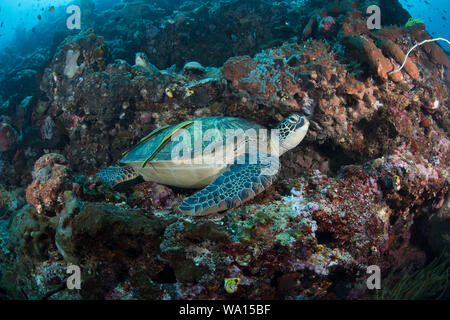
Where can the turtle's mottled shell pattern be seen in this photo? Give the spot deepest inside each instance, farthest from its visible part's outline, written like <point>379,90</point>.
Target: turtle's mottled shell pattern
<point>142,152</point>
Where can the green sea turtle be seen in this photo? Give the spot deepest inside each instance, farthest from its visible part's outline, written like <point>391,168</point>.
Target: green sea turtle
<point>207,145</point>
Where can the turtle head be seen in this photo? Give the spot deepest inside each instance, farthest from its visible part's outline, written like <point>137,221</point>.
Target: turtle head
<point>292,130</point>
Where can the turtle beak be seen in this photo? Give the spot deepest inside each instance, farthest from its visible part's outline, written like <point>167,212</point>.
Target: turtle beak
<point>301,123</point>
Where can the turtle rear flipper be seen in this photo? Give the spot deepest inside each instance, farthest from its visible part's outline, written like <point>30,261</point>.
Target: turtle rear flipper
<point>238,184</point>
<point>117,174</point>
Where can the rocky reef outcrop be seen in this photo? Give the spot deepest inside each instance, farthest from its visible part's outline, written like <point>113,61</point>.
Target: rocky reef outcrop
<point>367,186</point>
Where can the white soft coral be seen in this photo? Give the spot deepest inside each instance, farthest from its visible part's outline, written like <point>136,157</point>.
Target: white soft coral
<point>71,68</point>
<point>302,208</point>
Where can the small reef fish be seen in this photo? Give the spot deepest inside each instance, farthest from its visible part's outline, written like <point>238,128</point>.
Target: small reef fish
<point>169,93</point>
<point>52,8</point>
<point>231,284</point>
<point>396,182</point>
<point>172,68</point>
<point>189,92</point>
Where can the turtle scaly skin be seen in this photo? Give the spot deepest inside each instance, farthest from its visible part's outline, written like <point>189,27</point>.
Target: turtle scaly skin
<point>117,174</point>
<point>240,183</point>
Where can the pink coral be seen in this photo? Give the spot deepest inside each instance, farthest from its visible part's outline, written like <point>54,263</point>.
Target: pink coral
<point>150,195</point>
<point>52,177</point>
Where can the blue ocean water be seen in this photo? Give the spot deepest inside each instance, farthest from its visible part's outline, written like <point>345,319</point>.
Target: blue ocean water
<point>25,19</point>
<point>435,14</point>
<point>21,16</point>
<point>22,19</point>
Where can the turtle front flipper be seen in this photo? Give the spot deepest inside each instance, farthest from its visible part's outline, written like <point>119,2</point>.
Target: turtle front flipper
<point>240,183</point>
<point>117,174</point>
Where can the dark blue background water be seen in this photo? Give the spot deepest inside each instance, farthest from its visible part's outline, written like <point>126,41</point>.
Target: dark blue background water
<point>20,18</point>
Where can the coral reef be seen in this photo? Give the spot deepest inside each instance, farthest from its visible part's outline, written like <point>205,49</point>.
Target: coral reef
<point>367,186</point>
<point>51,177</point>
